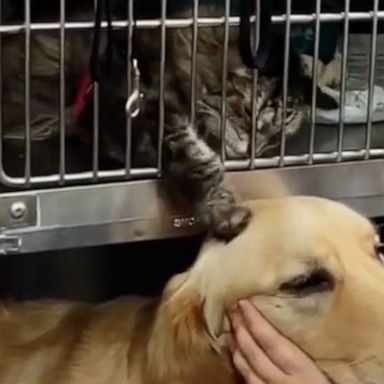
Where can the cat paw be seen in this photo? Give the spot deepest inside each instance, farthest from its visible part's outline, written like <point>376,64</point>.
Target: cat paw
<point>222,215</point>
<point>228,221</point>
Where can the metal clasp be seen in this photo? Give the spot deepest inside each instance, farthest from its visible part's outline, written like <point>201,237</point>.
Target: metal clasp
<point>9,244</point>
<point>132,107</point>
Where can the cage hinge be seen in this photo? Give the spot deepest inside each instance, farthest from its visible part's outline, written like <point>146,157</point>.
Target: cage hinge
<point>9,244</point>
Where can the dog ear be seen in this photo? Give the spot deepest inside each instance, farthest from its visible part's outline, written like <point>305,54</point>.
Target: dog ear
<point>195,319</point>
<point>193,304</point>
<point>213,316</point>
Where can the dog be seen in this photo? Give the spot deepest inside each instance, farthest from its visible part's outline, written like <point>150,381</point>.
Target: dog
<point>311,264</point>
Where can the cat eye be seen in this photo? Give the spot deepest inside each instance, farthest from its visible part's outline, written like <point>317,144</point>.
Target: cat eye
<point>317,281</point>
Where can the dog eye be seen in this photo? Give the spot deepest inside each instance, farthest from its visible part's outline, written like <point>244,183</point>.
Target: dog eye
<point>303,285</point>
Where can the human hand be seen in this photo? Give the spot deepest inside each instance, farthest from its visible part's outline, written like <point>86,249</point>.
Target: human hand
<point>263,356</point>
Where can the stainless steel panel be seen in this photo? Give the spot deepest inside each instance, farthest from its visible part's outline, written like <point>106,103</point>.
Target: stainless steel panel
<point>136,211</point>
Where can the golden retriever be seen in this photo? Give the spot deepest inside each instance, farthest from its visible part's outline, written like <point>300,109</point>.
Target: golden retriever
<point>311,263</point>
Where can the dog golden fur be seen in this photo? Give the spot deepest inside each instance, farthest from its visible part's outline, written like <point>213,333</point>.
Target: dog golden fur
<point>311,264</point>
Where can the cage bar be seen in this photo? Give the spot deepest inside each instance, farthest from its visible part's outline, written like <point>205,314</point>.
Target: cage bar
<point>146,173</point>
<point>188,22</point>
<point>128,138</point>
<point>62,120</point>
<point>285,81</point>
<point>372,72</point>
<point>195,31</point>
<point>315,69</point>
<point>27,93</point>
<point>163,46</point>
<point>255,78</point>
<point>96,123</point>
<point>301,160</point>
<point>224,79</point>
<point>340,139</point>
<point>2,172</point>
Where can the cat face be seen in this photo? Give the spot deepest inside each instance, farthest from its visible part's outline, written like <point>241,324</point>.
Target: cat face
<point>240,93</point>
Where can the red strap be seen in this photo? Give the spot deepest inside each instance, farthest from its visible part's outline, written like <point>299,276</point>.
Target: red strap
<point>85,88</point>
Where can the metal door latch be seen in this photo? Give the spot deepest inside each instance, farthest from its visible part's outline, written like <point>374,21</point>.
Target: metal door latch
<point>9,244</point>
<point>16,212</point>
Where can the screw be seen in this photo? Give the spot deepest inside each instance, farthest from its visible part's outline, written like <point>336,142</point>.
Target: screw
<point>18,210</point>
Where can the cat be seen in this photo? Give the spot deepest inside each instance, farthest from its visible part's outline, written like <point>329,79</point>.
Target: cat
<point>191,153</point>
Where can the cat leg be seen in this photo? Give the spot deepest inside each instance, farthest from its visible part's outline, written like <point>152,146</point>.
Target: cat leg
<point>199,174</point>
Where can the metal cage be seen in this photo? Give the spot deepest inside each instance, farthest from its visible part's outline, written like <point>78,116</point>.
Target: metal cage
<point>65,209</point>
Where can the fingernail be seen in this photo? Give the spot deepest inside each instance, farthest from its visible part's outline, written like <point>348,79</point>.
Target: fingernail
<point>234,310</point>
<point>247,310</point>
<point>243,304</point>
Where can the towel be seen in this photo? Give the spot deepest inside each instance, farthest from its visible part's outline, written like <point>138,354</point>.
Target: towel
<point>356,107</point>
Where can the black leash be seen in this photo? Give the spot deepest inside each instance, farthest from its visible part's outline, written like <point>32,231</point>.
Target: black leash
<point>101,62</point>
<point>258,59</point>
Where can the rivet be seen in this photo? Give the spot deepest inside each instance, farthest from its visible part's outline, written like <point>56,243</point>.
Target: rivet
<point>18,210</point>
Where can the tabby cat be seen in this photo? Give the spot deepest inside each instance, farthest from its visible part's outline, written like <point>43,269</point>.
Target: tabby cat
<point>191,152</point>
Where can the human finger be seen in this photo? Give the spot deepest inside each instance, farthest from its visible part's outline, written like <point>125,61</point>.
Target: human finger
<point>282,352</point>
<point>245,370</point>
<point>254,355</point>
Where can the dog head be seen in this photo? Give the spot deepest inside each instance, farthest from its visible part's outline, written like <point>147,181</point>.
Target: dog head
<point>312,267</point>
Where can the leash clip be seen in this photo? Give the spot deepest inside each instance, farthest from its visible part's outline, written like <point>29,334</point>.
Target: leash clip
<point>132,106</point>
